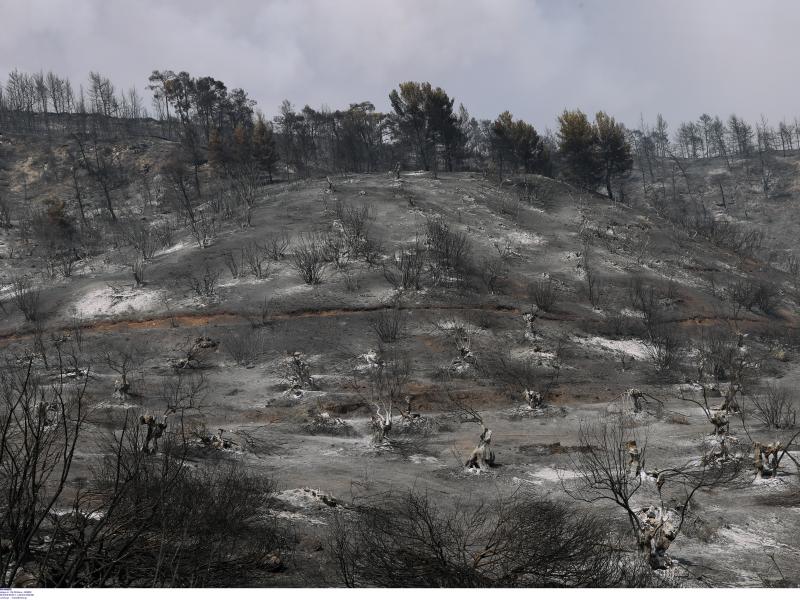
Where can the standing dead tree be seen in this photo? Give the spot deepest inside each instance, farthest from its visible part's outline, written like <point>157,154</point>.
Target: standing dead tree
<point>147,519</point>
<point>717,416</point>
<point>724,357</point>
<point>187,201</point>
<point>767,456</point>
<point>381,383</point>
<point>125,361</point>
<point>482,457</point>
<point>102,166</point>
<point>461,335</point>
<point>40,424</point>
<point>604,473</point>
<point>520,376</point>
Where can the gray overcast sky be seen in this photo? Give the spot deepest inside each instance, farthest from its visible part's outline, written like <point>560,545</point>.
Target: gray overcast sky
<point>533,57</point>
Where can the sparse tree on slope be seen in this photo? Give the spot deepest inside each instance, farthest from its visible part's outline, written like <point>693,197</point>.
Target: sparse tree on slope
<point>577,142</point>
<point>613,149</point>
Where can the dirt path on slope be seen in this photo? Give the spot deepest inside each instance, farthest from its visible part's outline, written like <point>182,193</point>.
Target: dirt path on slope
<point>225,317</point>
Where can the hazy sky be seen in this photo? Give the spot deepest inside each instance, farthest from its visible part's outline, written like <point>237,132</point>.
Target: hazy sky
<point>533,57</point>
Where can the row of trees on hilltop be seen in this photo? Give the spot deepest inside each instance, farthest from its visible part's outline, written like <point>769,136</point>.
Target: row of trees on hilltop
<point>48,103</point>
<point>424,129</point>
<point>710,136</point>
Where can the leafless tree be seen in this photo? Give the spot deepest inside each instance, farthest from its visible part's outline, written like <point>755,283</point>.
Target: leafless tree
<point>594,286</point>
<point>767,456</point>
<point>610,469</point>
<point>124,359</point>
<point>5,211</point>
<point>102,166</point>
<point>245,346</point>
<point>381,384</point>
<point>723,356</point>
<point>202,226</point>
<point>493,272</point>
<point>664,344</point>
<point>40,424</point>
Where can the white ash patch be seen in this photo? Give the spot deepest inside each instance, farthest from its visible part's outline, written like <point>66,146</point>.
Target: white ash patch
<point>294,516</point>
<point>94,515</point>
<point>524,238</point>
<point>771,482</point>
<point>106,301</point>
<point>531,354</point>
<point>306,498</point>
<point>453,325</point>
<point>525,411</point>
<point>551,474</point>
<point>333,452</point>
<point>119,405</point>
<point>232,282</point>
<point>370,360</point>
<point>299,289</point>
<point>419,459</point>
<point>635,348</point>
<point>174,248</point>
<point>742,538</point>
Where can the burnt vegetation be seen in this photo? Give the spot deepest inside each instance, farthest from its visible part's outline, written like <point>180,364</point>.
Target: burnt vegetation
<point>518,358</point>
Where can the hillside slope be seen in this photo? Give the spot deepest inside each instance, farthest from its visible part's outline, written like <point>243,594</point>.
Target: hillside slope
<point>521,287</point>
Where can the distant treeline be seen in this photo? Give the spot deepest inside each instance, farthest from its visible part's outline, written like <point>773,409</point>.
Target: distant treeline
<point>424,130</point>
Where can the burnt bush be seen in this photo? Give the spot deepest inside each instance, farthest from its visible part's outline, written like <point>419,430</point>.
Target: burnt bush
<point>410,541</point>
<point>544,294</point>
<point>493,272</point>
<point>595,287</point>
<point>389,325</point>
<point>773,408</point>
<point>449,251</point>
<point>26,298</point>
<point>309,259</point>
<point>766,296</point>
<point>276,245</point>
<point>246,346</point>
<point>405,271</point>
<point>664,345</point>
<point>138,518</point>
<point>204,283</point>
